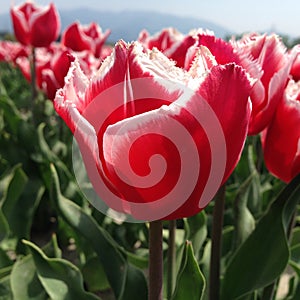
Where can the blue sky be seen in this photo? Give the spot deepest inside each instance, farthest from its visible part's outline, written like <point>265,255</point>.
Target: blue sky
<point>237,15</point>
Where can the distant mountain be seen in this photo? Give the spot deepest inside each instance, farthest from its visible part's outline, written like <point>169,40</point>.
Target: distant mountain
<point>127,24</point>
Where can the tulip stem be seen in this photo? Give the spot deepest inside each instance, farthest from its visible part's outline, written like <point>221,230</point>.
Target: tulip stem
<point>155,261</point>
<point>171,262</point>
<point>216,247</point>
<point>33,75</point>
<point>33,82</point>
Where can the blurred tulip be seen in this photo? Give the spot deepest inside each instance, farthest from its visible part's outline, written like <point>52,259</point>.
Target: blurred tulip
<point>85,37</point>
<point>11,51</point>
<point>131,107</point>
<point>52,65</point>
<point>162,40</point>
<point>34,25</point>
<point>281,140</point>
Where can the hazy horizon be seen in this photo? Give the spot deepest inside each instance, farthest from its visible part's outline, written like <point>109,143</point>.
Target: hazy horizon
<point>237,16</point>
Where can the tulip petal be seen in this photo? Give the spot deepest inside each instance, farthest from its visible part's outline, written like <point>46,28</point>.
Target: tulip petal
<point>281,140</point>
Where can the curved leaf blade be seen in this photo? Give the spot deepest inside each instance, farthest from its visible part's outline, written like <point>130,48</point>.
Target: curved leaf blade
<point>61,279</point>
<point>265,253</point>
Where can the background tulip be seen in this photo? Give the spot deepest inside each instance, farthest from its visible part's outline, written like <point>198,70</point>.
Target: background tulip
<point>275,64</point>
<point>52,65</point>
<point>281,140</point>
<point>34,25</point>
<point>11,51</point>
<point>162,40</point>
<point>95,114</point>
<point>85,37</point>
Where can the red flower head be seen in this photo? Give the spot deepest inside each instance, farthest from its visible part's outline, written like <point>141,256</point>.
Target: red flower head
<point>275,64</point>
<point>157,141</point>
<point>52,65</point>
<point>11,51</point>
<point>34,25</point>
<point>162,40</point>
<point>89,37</point>
<point>281,140</point>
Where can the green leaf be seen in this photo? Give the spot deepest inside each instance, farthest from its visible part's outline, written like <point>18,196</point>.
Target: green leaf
<point>136,285</point>
<point>138,260</point>
<point>190,283</point>
<point>5,271</point>
<point>19,203</point>
<point>49,155</point>
<point>4,228</point>
<point>265,253</point>
<point>94,275</point>
<point>5,291</point>
<point>112,259</point>
<point>196,227</point>
<point>5,261</point>
<point>61,279</point>
<point>11,113</point>
<point>24,281</point>
<point>11,187</point>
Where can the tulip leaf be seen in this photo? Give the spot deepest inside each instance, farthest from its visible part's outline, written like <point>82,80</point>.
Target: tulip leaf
<point>190,283</point>
<point>19,203</point>
<point>196,231</point>
<point>112,259</point>
<point>61,279</point>
<point>94,275</point>
<point>5,291</point>
<point>244,221</point>
<point>4,228</point>
<point>265,253</point>
<point>136,285</point>
<point>11,114</point>
<point>24,281</point>
<point>48,154</point>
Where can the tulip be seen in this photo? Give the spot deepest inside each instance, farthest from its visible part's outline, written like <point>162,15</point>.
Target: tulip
<point>162,40</point>
<point>295,70</point>
<point>52,65</point>
<point>34,25</point>
<point>157,141</point>
<point>275,64</point>
<point>89,37</point>
<point>281,140</point>
<point>11,51</point>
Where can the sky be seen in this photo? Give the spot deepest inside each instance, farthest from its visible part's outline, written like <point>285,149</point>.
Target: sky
<point>236,15</point>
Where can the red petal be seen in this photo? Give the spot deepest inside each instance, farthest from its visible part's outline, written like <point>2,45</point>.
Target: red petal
<point>41,35</point>
<point>281,141</point>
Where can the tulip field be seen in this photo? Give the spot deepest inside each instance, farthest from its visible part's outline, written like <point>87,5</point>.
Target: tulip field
<point>162,168</point>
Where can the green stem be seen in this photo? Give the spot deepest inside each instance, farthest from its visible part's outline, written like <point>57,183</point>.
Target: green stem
<point>33,75</point>
<point>33,83</point>
<point>216,247</point>
<point>171,262</point>
<point>155,261</point>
